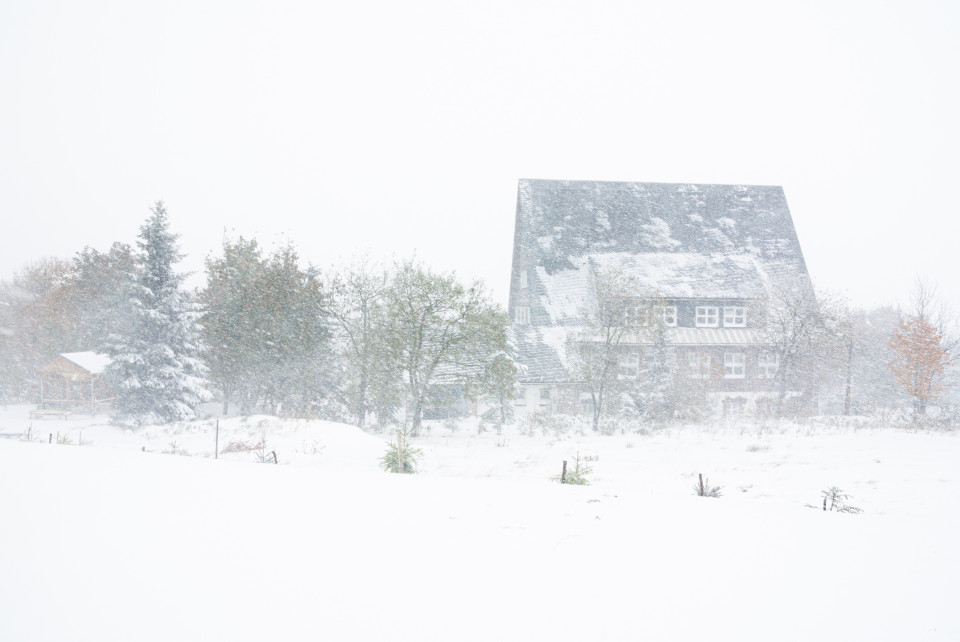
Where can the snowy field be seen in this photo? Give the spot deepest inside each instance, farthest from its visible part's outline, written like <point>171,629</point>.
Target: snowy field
<point>121,539</point>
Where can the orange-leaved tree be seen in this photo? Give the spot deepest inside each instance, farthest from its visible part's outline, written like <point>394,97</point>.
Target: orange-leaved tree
<point>919,361</point>
<point>922,350</point>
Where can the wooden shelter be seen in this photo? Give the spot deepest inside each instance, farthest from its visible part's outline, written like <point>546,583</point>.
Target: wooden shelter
<point>74,380</point>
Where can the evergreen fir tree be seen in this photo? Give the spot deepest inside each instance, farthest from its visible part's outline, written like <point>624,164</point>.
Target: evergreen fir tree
<point>155,370</point>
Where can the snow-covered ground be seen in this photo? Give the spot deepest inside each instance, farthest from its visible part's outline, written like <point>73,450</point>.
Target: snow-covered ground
<point>119,539</point>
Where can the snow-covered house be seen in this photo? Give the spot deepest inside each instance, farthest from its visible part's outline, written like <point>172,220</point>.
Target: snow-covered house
<point>708,253</point>
<point>74,381</point>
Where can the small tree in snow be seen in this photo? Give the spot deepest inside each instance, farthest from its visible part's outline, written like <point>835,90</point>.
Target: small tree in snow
<point>498,383</point>
<point>922,351</point>
<point>357,298</point>
<point>806,333</point>
<point>155,369</point>
<point>438,326</point>
<point>622,316</point>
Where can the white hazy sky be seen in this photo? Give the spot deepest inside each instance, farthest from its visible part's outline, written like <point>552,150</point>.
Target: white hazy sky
<point>391,127</point>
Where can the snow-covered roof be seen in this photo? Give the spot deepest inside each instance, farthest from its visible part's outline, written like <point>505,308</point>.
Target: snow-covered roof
<point>565,293</point>
<point>90,361</point>
<point>539,351</point>
<point>676,241</point>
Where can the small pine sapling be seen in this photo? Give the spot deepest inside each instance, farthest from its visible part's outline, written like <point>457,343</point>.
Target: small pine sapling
<point>578,475</point>
<point>400,451</point>
<point>834,499</point>
<point>175,449</point>
<point>704,489</point>
<point>260,452</point>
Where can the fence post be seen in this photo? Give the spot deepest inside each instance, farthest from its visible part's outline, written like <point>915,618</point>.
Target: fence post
<point>702,493</point>
<point>399,451</point>
<point>563,474</point>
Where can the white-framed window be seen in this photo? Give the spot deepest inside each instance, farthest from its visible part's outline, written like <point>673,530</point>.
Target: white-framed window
<point>767,364</point>
<point>521,314</point>
<point>586,403</point>
<point>544,396</point>
<point>521,399</point>
<point>733,365</point>
<point>523,278</point>
<point>734,406</point>
<point>628,365</point>
<point>734,316</point>
<point>708,316</point>
<point>669,315</point>
<point>698,364</point>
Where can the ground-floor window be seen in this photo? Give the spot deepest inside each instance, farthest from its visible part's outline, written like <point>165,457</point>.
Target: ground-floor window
<point>698,364</point>
<point>734,406</point>
<point>767,364</point>
<point>628,365</point>
<point>733,363</point>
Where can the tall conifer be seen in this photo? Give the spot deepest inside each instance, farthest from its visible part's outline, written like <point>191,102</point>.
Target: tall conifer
<point>155,370</point>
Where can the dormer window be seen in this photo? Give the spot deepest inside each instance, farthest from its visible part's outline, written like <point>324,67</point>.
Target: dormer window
<point>708,316</point>
<point>734,316</point>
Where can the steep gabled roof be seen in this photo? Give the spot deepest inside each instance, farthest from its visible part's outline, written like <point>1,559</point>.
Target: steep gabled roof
<point>92,362</point>
<point>679,241</point>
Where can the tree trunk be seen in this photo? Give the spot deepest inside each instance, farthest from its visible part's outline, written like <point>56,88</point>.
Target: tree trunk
<point>597,407</point>
<point>782,391</point>
<point>848,386</point>
<point>362,400</point>
<point>417,416</point>
<point>919,407</point>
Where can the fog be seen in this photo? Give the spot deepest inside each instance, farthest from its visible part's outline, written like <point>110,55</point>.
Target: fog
<point>395,129</point>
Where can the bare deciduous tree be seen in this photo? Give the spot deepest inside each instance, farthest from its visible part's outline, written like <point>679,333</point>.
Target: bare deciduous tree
<point>357,297</point>
<point>807,334</point>
<point>623,315</point>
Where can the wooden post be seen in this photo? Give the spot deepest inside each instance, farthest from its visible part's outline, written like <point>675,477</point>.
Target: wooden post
<point>50,441</point>
<point>702,493</point>
<point>399,451</point>
<point>274,453</point>
<point>824,503</point>
<point>216,441</point>
<point>563,473</point>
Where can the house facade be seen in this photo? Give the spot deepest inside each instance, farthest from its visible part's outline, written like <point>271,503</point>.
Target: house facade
<point>74,381</point>
<point>700,262</point>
